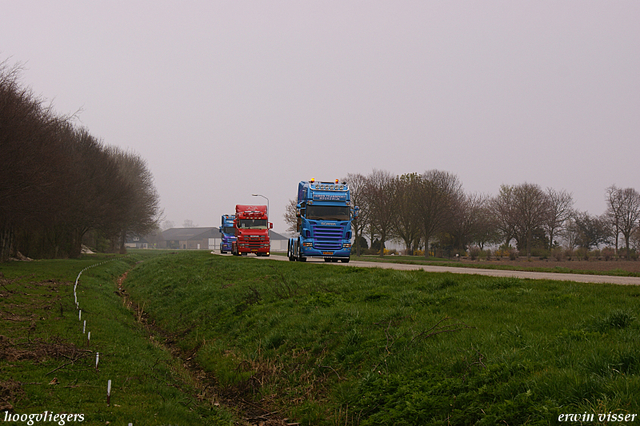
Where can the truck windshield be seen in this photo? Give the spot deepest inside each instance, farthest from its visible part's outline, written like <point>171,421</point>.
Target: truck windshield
<point>252,223</point>
<point>327,212</point>
<point>228,230</point>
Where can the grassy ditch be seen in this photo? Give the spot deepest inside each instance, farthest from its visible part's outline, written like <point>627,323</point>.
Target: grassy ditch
<point>329,345</point>
<point>48,364</point>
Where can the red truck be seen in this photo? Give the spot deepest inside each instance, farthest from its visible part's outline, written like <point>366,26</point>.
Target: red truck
<point>252,231</point>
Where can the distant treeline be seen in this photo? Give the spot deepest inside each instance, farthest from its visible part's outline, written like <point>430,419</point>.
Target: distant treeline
<point>58,182</point>
<point>432,212</point>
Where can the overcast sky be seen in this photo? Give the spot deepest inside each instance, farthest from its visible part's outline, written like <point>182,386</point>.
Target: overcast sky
<point>228,98</point>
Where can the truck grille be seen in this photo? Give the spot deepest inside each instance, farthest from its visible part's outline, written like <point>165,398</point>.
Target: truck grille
<point>327,237</point>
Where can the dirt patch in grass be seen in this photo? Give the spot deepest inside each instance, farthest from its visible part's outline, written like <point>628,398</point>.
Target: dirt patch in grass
<point>37,350</point>
<point>10,391</point>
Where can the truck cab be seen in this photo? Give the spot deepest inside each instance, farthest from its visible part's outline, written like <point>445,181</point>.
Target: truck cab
<point>227,233</point>
<point>251,228</point>
<point>324,215</point>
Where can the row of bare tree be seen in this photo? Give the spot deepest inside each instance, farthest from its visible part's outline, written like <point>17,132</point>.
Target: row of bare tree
<point>58,182</point>
<point>431,210</point>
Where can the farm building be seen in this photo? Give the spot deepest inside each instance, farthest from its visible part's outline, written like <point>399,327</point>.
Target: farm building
<point>201,238</point>
<point>151,240</point>
<point>192,238</point>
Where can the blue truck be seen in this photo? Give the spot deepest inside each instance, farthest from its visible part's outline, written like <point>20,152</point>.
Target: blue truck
<point>324,215</point>
<point>227,232</point>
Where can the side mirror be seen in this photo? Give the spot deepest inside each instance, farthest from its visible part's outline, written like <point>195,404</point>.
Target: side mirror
<point>356,212</point>
<point>270,225</point>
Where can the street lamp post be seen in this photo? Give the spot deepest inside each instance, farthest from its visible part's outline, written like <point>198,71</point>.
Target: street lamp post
<point>268,212</point>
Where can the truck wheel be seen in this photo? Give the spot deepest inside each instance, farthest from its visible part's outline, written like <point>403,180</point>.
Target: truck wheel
<point>301,258</point>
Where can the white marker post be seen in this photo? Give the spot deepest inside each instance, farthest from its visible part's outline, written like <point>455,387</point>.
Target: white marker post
<point>109,393</point>
<point>84,326</point>
<point>97,359</point>
<point>88,338</point>
<point>80,315</point>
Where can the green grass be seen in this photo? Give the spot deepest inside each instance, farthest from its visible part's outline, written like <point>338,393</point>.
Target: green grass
<point>419,260</point>
<point>322,345</point>
<point>45,363</point>
<point>329,345</point>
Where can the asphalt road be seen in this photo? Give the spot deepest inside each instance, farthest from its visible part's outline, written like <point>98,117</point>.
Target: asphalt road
<point>598,279</point>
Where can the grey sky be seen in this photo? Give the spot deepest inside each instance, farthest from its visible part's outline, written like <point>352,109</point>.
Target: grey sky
<point>229,98</point>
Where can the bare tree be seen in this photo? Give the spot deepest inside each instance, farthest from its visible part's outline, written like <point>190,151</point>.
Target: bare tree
<point>503,210</point>
<point>560,209</point>
<point>467,220</point>
<point>623,212</point>
<point>435,197</point>
<point>487,230</point>
<point>531,209</point>
<point>614,211</point>
<point>167,224</point>
<point>291,216</point>
<point>592,230</point>
<point>380,196</point>
<point>630,215</point>
<point>408,226</point>
<point>571,233</point>
<point>357,186</point>
<point>520,210</point>
<point>137,211</point>
<point>635,238</point>
<point>97,193</point>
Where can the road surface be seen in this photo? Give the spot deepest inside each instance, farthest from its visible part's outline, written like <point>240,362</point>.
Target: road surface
<point>581,278</point>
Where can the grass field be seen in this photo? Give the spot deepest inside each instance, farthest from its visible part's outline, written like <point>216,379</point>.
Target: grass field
<point>326,345</point>
<point>590,267</point>
<point>48,364</point>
